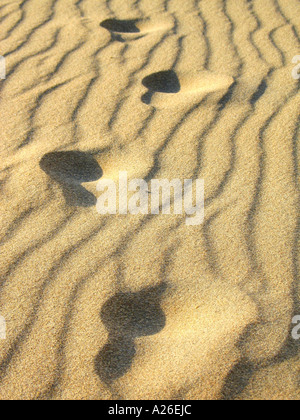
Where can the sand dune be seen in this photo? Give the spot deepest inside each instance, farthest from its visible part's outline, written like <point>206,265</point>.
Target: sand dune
<point>145,307</point>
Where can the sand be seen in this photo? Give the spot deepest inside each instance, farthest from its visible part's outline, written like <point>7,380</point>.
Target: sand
<point>101,307</point>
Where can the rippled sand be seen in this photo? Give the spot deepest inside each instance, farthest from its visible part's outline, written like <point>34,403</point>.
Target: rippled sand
<point>145,307</point>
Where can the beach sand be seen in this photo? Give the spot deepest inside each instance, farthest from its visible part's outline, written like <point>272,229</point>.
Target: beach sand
<point>101,307</point>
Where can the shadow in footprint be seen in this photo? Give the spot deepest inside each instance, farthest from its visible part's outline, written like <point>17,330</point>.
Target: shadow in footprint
<point>69,170</point>
<point>163,82</point>
<point>121,26</point>
<point>237,380</point>
<point>117,27</point>
<point>126,317</point>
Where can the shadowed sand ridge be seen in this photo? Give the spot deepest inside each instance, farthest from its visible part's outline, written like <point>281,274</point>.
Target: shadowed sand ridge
<point>164,89</point>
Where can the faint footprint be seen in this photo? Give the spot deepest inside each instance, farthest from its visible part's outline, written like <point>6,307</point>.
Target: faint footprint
<point>163,81</point>
<point>126,317</point>
<point>69,170</point>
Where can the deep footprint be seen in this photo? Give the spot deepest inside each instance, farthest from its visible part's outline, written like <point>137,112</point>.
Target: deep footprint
<point>69,170</point>
<point>168,88</point>
<point>163,82</point>
<point>126,317</point>
<point>78,196</point>
<point>121,26</point>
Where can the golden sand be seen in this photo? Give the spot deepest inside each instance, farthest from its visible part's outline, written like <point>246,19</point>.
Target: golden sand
<point>145,307</point>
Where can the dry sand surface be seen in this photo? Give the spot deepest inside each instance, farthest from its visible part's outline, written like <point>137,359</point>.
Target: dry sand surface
<point>144,306</point>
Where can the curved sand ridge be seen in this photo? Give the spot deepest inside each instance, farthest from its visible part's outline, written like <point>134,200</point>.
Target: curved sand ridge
<point>130,307</point>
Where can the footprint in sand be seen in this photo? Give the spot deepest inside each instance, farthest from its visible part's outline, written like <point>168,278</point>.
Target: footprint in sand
<point>163,81</point>
<point>128,316</point>
<point>133,29</point>
<point>70,170</point>
<point>168,88</point>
